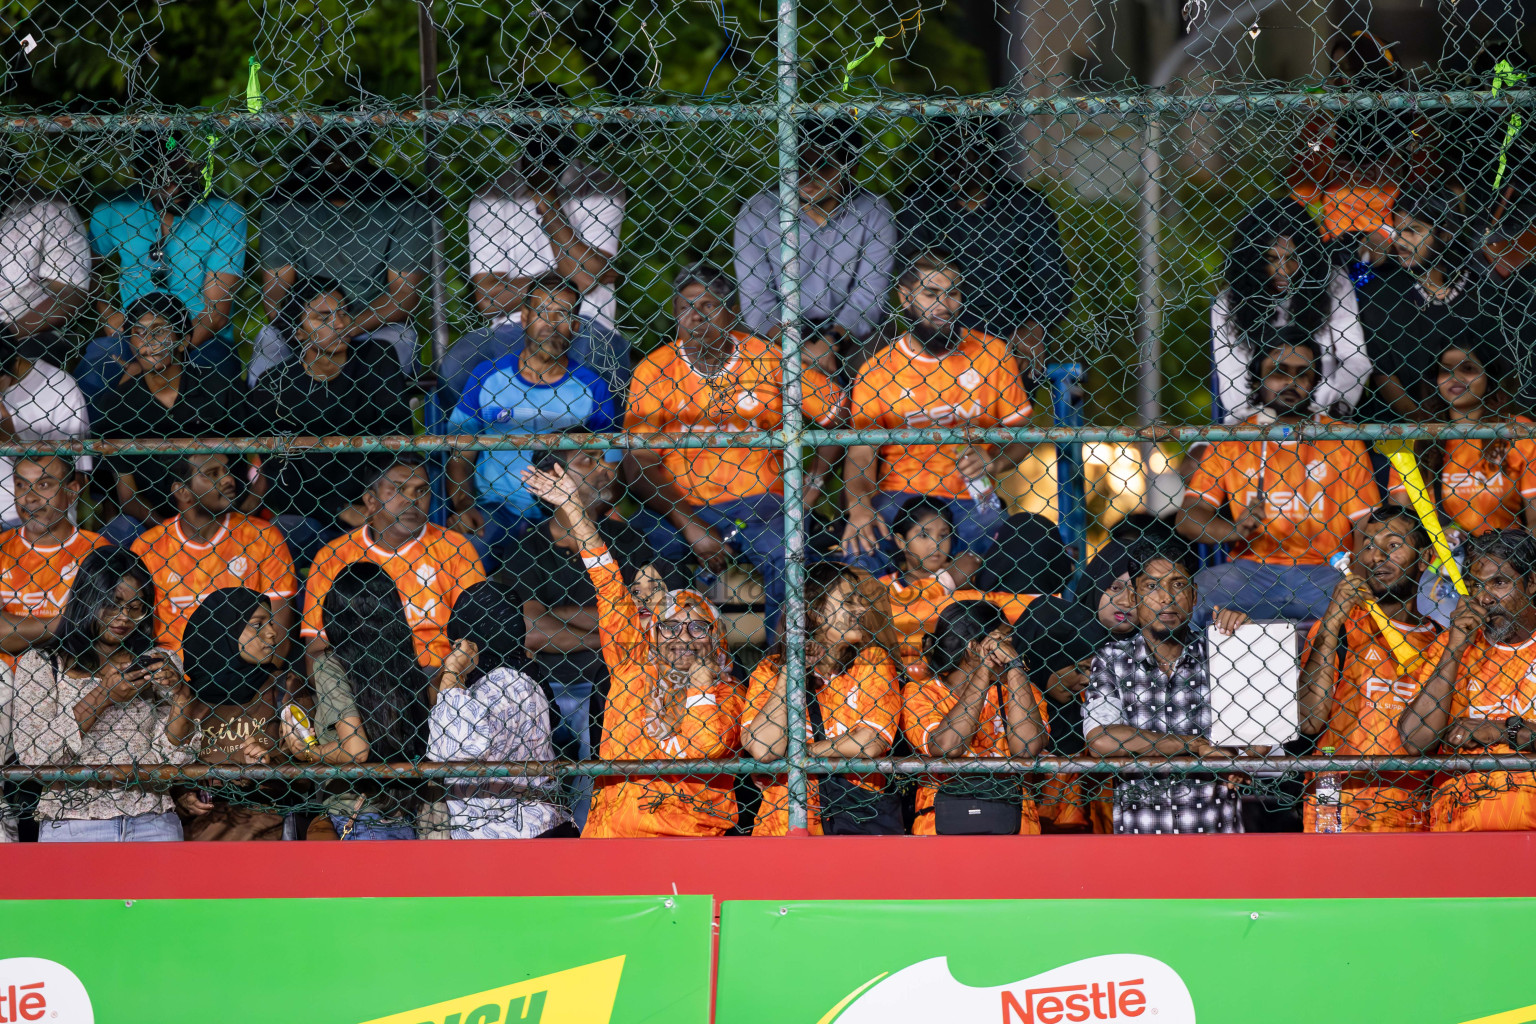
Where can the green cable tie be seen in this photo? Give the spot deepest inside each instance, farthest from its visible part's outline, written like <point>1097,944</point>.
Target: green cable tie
<point>1505,76</point>
<point>213,144</point>
<point>847,71</point>
<point>253,98</point>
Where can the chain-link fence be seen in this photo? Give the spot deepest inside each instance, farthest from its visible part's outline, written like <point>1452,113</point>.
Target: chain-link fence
<point>503,420</point>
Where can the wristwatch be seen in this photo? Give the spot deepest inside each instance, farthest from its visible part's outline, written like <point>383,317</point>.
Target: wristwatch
<point>1512,726</point>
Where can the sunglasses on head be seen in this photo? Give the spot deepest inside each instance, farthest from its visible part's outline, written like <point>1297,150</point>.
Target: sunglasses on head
<point>698,629</point>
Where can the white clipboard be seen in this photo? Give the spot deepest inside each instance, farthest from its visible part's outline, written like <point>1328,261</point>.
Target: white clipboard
<point>1254,674</point>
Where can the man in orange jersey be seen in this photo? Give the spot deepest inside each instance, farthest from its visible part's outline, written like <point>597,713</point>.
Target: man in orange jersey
<point>938,374</point>
<point>715,378</point>
<point>1353,685</point>
<point>1478,693</point>
<point>431,566</point>
<point>38,558</point>
<point>208,546</point>
<point>1284,506</point>
<point>672,695</point>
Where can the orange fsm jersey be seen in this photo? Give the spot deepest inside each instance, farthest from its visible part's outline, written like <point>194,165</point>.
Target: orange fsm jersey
<point>1475,496</point>
<point>977,384</point>
<point>431,572</point>
<point>668,396</point>
<point>1493,681</point>
<point>868,694</point>
<point>637,806</point>
<point>35,578</point>
<point>245,552</point>
<point>1370,693</point>
<point>1312,492</point>
<point>924,705</point>
<point>916,606</point>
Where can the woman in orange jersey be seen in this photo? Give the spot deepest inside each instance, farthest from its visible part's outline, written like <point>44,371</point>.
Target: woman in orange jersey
<point>979,704</point>
<point>671,693</point>
<point>852,704</point>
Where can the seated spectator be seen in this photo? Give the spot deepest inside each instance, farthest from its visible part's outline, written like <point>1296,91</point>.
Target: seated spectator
<point>1018,285</point>
<point>489,709</point>
<point>938,374</point>
<point>209,546</point>
<point>39,558</point>
<point>1278,273</point>
<point>1476,684</point>
<point>104,696</point>
<point>1353,687</point>
<point>672,693</point>
<point>977,703</point>
<point>540,390</point>
<point>1479,486</point>
<point>715,378</point>
<point>1027,557</point>
<point>40,402</point>
<point>1151,695</point>
<point>166,399</point>
<point>852,707</point>
<point>431,566</point>
<point>340,215</point>
<point>164,237</point>
<point>9,831</point>
<point>337,386</point>
<point>371,704</point>
<point>561,606</point>
<point>847,246</point>
<point>1435,293</point>
<point>1288,504</point>
<point>230,648</point>
<point>45,272</point>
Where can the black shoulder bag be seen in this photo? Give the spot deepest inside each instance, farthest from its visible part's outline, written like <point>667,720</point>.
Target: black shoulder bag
<point>848,809</point>
<point>980,805</point>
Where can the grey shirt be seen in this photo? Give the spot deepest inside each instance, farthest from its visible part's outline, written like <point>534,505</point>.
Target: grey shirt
<point>356,242</point>
<point>845,264</point>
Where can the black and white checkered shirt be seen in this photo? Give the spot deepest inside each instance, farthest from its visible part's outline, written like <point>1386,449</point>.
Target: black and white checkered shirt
<point>1127,686</point>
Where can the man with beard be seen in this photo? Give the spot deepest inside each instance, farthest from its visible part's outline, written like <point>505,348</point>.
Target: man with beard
<point>1150,695</point>
<point>1288,504</point>
<point>1353,688</point>
<point>938,374</point>
<point>1480,695</point>
<point>852,704</point>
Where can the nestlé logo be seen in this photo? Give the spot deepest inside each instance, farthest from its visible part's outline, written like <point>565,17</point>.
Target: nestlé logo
<point>33,989</point>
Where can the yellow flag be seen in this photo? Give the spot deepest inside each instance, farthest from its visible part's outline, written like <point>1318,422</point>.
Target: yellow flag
<point>581,995</point>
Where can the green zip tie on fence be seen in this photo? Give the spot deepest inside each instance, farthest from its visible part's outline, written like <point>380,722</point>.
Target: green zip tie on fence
<point>848,70</point>
<point>1505,76</point>
<point>253,97</point>
<point>213,145</point>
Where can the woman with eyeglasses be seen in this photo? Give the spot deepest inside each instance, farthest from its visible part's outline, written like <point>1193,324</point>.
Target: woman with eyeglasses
<point>104,695</point>
<point>672,692</point>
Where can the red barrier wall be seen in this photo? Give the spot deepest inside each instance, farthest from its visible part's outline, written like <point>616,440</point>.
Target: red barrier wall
<point>1040,867</point>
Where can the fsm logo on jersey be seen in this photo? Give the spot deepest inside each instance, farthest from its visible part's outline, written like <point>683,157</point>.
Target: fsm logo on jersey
<point>33,989</point>
<point>1120,987</point>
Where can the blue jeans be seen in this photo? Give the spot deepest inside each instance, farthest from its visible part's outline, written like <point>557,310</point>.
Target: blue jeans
<point>572,736</point>
<point>1296,592</point>
<point>304,536</point>
<point>974,523</point>
<point>138,828</point>
<point>370,826</point>
<point>123,529</point>
<point>761,542</point>
<point>99,367</point>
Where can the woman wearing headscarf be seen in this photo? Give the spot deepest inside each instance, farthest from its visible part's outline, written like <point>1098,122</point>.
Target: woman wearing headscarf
<point>229,646</point>
<point>489,709</point>
<point>672,693</point>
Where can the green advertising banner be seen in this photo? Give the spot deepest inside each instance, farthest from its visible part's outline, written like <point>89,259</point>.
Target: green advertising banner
<point>579,960</point>
<point>1452,961</point>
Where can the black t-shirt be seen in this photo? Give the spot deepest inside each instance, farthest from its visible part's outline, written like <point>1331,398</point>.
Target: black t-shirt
<point>207,405</point>
<point>368,397</point>
<point>1054,634</point>
<point>554,576</point>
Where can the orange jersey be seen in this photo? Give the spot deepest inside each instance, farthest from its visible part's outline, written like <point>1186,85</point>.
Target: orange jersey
<point>1493,681</point>
<point>869,694</point>
<point>1370,693</point>
<point>639,806</point>
<point>901,387</point>
<point>915,608</point>
<point>35,578</point>
<point>668,396</point>
<point>1312,493</point>
<point>245,552</point>
<point>431,572</point>
<point>1475,496</point>
<point>924,705</point>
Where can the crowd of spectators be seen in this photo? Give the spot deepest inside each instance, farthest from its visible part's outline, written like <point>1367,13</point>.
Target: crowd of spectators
<point>307,608</point>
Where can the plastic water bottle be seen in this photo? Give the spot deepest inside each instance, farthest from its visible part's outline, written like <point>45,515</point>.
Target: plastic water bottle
<point>984,495</point>
<point>1328,794</point>
<point>733,542</point>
